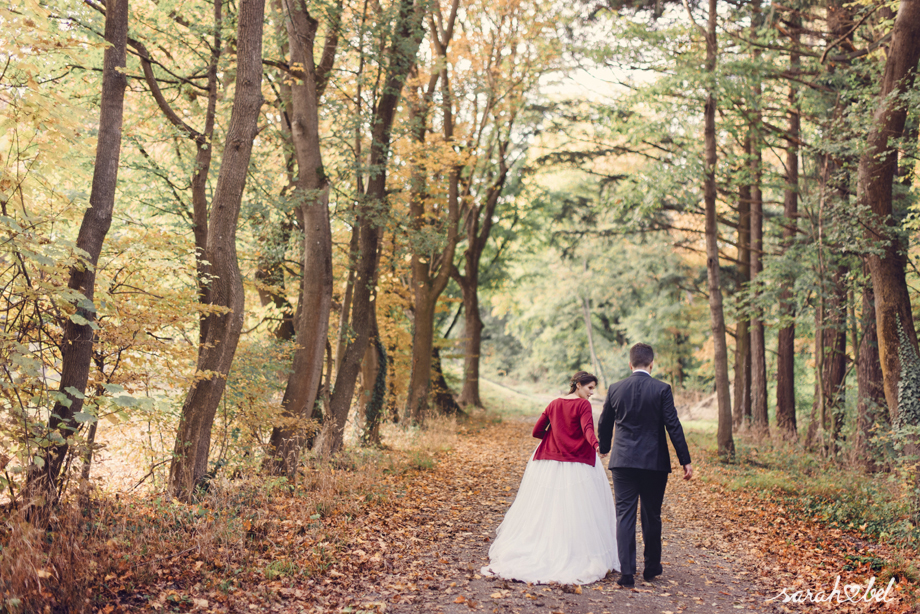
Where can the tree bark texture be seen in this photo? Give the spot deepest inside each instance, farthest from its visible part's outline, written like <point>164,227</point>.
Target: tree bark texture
<point>79,330</point>
<point>726,444</point>
<point>193,440</point>
<point>785,352</point>
<point>759,418</point>
<point>407,36</point>
<point>312,195</point>
<point>431,270</point>
<point>741,415</point>
<point>878,167</point>
<point>374,385</point>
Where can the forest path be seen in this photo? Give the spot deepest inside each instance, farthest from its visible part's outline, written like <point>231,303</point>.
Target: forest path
<point>460,503</point>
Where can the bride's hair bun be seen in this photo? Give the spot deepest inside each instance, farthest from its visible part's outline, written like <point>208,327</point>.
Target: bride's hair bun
<point>582,377</point>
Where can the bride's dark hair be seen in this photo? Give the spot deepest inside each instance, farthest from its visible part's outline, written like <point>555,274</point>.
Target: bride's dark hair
<point>582,377</point>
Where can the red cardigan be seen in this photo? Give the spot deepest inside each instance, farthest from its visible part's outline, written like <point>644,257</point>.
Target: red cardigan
<point>566,427</point>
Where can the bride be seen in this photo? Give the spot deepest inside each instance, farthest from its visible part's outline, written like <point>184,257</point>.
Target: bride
<point>561,526</point>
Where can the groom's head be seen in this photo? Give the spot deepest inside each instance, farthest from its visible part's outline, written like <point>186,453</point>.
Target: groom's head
<point>641,356</point>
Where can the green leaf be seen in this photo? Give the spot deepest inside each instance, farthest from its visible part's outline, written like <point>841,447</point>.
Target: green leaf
<point>124,400</point>
<point>81,321</point>
<point>74,392</point>
<point>113,388</point>
<point>39,461</point>
<point>82,416</point>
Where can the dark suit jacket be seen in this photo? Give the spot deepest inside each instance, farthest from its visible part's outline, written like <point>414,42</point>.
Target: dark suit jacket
<point>641,407</point>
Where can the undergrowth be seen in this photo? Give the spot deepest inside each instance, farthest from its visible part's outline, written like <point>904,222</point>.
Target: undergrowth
<point>875,507</point>
<point>118,545</point>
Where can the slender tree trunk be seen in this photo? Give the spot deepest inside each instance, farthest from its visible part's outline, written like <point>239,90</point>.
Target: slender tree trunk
<point>478,230</point>
<point>431,271</point>
<point>726,444</point>
<point>190,455</point>
<point>877,170</point>
<point>741,416</point>
<point>312,194</point>
<point>760,421</point>
<point>785,354</point>
<point>407,35</point>
<point>79,329</point>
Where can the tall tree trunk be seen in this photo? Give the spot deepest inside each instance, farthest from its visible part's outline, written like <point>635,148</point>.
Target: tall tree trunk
<point>430,270</point>
<point>726,444</point>
<point>79,329</point>
<point>407,36</point>
<point>871,410</point>
<point>785,353</point>
<point>204,151</point>
<point>193,440</point>
<point>741,415</point>
<point>478,229</point>
<point>877,169</point>
<point>759,418</point>
<point>312,194</point>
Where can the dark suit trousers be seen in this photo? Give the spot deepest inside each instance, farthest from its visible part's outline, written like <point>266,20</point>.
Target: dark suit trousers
<point>630,487</point>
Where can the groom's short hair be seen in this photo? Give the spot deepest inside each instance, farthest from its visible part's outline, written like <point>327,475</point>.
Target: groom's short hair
<point>641,355</point>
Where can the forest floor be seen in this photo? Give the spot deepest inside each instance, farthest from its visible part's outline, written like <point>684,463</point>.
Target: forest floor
<point>414,540</point>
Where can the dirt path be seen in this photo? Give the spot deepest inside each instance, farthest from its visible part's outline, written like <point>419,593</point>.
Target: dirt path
<point>460,503</point>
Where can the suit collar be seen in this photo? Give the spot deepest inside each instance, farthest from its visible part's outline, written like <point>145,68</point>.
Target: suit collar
<point>641,373</point>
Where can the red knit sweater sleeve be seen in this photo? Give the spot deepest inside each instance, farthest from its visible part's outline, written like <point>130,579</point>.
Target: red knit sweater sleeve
<point>539,429</point>
<point>587,423</point>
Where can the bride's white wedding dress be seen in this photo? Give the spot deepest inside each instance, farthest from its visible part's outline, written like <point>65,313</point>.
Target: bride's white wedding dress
<point>561,526</point>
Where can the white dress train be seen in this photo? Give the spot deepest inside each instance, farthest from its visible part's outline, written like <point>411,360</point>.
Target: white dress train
<point>560,528</point>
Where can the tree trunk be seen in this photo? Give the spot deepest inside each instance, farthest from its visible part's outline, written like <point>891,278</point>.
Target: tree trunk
<point>877,170</point>
<point>785,353</point>
<point>443,398</point>
<point>374,376</point>
<point>726,444</point>
<point>871,410</point>
<point>193,439</point>
<point>407,36</point>
<point>759,418</point>
<point>472,334</point>
<point>741,416</point>
<point>478,230</point>
<point>829,400</point>
<point>312,195</point>
<point>79,329</point>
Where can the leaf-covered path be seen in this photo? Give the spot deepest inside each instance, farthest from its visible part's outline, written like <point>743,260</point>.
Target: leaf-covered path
<point>461,502</point>
<point>417,545</point>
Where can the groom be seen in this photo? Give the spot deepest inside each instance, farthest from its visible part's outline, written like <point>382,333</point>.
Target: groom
<point>641,407</point>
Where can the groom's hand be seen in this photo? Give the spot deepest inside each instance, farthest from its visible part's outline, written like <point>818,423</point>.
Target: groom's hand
<point>688,471</point>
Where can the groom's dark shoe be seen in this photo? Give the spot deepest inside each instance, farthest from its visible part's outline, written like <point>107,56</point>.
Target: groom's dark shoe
<point>626,579</point>
<point>653,572</point>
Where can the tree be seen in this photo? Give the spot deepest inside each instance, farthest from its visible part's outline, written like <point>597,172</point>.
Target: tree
<point>373,208</point>
<point>224,324</point>
<point>726,444</point>
<point>312,195</point>
<point>79,331</point>
<point>878,166</point>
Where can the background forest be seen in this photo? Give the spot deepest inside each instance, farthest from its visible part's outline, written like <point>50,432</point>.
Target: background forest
<point>241,235</point>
